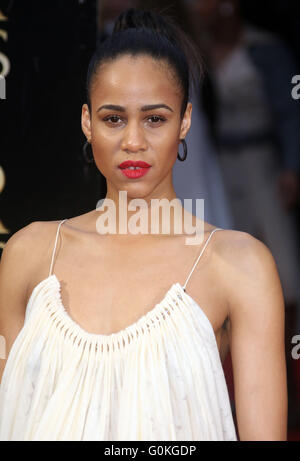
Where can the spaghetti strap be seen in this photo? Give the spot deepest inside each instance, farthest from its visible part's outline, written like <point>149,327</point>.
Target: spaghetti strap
<point>201,253</point>
<point>53,252</point>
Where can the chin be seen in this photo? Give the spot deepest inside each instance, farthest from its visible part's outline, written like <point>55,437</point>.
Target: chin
<point>135,191</point>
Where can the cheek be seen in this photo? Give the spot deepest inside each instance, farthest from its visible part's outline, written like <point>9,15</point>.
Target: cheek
<point>167,153</point>
<point>104,146</point>
<point>166,146</point>
<point>103,153</point>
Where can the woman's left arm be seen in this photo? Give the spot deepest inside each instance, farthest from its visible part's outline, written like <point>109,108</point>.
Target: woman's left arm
<point>257,341</point>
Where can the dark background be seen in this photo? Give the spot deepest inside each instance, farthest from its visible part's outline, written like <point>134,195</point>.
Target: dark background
<point>49,46</point>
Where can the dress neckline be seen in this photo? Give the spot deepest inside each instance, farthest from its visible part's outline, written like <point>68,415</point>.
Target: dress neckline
<point>155,315</point>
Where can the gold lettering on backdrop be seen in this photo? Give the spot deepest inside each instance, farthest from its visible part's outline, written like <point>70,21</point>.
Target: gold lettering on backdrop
<point>4,61</point>
<point>3,72</point>
<point>5,65</point>
<point>3,229</point>
<point>3,34</point>
<point>2,16</point>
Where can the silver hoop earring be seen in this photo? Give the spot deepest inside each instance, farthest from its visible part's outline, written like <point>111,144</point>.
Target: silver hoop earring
<point>88,156</point>
<point>182,159</point>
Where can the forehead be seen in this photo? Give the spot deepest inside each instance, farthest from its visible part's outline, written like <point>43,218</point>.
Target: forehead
<point>135,78</point>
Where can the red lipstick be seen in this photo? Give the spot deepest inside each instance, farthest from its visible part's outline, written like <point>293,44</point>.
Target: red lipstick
<point>140,168</point>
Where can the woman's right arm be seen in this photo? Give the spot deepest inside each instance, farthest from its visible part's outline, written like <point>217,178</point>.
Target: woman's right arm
<point>15,266</point>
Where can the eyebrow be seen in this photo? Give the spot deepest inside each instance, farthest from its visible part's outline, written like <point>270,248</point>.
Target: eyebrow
<point>143,109</point>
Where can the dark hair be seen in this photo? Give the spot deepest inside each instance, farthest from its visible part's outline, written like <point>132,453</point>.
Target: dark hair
<point>145,32</point>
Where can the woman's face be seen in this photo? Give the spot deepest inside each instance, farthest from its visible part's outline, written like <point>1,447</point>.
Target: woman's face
<point>123,125</point>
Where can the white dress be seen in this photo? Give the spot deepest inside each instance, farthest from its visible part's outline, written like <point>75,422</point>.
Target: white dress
<point>161,378</point>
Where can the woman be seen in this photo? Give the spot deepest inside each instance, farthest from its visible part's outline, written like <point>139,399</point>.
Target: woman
<point>75,370</point>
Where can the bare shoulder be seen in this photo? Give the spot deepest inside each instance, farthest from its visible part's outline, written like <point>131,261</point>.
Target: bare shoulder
<point>19,246</point>
<point>27,233</point>
<point>242,251</point>
<point>25,250</point>
<point>31,237</point>
<point>248,271</point>
<point>20,262</point>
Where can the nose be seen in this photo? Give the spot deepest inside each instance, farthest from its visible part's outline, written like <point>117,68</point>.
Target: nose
<point>133,138</point>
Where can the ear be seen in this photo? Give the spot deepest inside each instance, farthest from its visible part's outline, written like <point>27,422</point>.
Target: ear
<point>186,121</point>
<point>86,122</point>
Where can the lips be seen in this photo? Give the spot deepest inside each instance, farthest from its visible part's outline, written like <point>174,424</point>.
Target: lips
<point>141,168</point>
<point>137,163</point>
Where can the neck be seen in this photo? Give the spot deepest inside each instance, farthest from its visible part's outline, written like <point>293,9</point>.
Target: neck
<point>160,213</point>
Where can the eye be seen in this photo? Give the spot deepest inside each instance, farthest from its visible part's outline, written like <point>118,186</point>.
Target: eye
<point>113,119</point>
<point>156,119</point>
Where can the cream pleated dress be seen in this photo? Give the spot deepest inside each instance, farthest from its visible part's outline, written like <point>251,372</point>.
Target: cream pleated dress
<point>161,378</point>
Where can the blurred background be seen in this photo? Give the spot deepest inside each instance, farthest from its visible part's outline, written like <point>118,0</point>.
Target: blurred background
<point>243,146</point>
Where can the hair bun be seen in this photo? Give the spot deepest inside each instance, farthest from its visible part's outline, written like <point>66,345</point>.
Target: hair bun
<point>138,31</point>
<point>137,18</point>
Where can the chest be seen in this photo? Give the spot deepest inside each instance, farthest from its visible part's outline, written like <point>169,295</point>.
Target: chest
<point>110,304</point>
<point>109,289</point>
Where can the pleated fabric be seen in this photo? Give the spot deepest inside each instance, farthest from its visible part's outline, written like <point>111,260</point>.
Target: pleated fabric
<point>159,379</point>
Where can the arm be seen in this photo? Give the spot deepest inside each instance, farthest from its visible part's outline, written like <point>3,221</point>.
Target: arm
<point>257,343</point>
<point>14,276</point>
